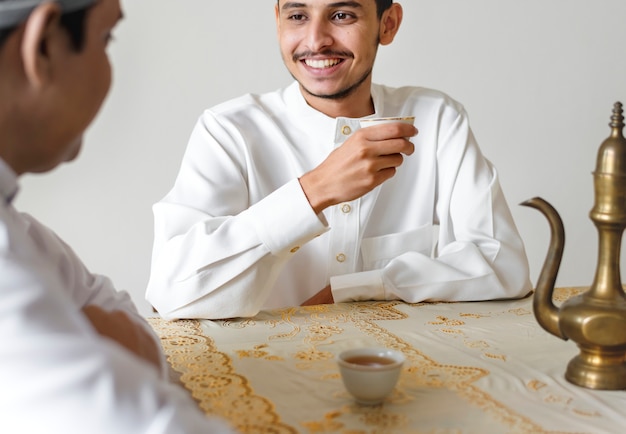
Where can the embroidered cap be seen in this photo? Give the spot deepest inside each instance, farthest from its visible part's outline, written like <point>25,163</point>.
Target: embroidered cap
<point>14,12</point>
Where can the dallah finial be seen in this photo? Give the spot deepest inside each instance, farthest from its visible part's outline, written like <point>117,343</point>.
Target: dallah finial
<point>617,120</point>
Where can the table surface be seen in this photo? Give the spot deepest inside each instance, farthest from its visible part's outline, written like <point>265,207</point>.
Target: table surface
<point>477,367</point>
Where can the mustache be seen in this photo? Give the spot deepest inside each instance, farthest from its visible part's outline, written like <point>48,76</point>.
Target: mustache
<point>327,53</point>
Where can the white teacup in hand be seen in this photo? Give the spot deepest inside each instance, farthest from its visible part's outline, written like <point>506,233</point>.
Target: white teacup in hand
<point>368,122</point>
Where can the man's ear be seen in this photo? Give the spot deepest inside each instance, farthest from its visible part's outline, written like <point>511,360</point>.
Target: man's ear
<point>390,24</point>
<point>277,15</point>
<point>41,27</point>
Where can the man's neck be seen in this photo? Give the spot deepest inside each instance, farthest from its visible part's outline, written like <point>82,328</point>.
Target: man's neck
<point>356,105</point>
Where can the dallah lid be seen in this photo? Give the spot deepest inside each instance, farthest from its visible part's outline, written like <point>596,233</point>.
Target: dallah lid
<point>14,12</point>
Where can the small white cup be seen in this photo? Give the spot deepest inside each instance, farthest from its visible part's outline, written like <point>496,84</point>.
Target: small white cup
<point>370,374</point>
<point>387,120</point>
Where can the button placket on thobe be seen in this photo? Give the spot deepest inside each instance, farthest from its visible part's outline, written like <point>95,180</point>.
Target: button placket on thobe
<point>344,218</point>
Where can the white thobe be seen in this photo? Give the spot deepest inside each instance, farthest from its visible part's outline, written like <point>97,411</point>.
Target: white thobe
<point>58,374</point>
<point>236,233</point>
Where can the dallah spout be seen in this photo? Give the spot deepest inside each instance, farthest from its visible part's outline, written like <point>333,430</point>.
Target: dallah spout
<point>546,313</point>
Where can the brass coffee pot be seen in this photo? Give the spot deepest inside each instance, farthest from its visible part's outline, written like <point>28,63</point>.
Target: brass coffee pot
<point>595,319</point>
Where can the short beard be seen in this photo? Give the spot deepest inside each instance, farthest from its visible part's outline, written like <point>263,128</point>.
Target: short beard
<point>343,93</point>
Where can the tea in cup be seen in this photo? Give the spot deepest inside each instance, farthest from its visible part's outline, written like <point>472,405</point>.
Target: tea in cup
<point>370,374</point>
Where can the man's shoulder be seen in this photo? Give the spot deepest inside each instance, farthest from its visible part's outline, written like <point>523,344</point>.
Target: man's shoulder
<point>249,101</point>
<point>416,94</point>
<point>21,258</point>
<point>24,237</point>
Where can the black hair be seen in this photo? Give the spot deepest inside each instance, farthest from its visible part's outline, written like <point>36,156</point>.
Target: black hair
<point>73,22</point>
<point>382,6</point>
<point>4,34</point>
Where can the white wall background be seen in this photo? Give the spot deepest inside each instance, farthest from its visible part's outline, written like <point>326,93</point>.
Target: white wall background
<point>538,78</point>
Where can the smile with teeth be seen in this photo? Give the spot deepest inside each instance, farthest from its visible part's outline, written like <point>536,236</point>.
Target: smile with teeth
<point>321,63</point>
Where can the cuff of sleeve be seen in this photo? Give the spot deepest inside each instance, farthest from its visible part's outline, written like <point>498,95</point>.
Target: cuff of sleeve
<point>284,220</point>
<point>366,285</point>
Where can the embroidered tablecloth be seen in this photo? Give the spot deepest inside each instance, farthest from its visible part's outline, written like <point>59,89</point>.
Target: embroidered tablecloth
<point>480,367</point>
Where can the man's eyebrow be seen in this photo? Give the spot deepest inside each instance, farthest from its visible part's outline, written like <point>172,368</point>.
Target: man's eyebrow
<point>342,4</point>
<point>350,4</point>
<point>291,5</point>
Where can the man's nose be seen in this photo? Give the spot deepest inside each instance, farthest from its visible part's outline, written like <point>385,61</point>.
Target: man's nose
<point>319,35</point>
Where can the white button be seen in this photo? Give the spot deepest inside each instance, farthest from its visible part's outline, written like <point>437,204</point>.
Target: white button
<point>346,208</point>
<point>346,130</point>
<point>341,257</point>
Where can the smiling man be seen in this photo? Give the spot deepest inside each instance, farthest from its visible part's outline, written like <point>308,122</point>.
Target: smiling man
<point>282,199</point>
<point>76,357</point>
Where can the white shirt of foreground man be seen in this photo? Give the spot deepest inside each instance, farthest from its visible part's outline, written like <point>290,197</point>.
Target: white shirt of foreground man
<point>238,231</point>
<point>59,375</point>
<point>75,357</point>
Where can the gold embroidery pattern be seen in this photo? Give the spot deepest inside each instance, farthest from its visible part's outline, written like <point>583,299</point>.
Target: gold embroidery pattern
<point>422,372</point>
<point>217,388</point>
<point>561,294</point>
<point>454,327</point>
<point>221,391</point>
<point>562,402</point>
<point>258,353</point>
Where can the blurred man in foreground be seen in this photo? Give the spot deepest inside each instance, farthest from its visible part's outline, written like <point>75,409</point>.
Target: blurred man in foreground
<point>75,357</point>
